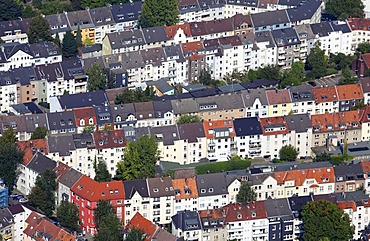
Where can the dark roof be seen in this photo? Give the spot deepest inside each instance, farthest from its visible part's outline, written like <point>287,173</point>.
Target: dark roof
<point>70,178</point>
<point>365,84</point>
<point>72,68</point>
<point>285,37</point>
<point>204,92</point>
<point>61,144</point>
<point>103,115</point>
<point>16,208</point>
<point>296,204</point>
<point>162,85</point>
<point>35,120</point>
<point>80,18</point>
<point>126,12</point>
<point>166,134</point>
<point>340,27</point>
<point>58,22</point>
<point>11,26</point>
<point>259,83</point>
<point>250,3</point>
<point>292,3</point>
<point>6,218</point>
<point>154,34</point>
<point>61,120</point>
<point>194,87</point>
<point>268,19</point>
<point>33,108</point>
<point>301,93</point>
<point>161,107</point>
<point>44,49</point>
<point>231,88</point>
<point>191,132</point>
<point>187,220</point>
<point>277,208</point>
<point>160,187</point>
<point>305,10</point>
<point>91,48</point>
<point>101,16</point>
<point>247,126</point>
<point>349,172</point>
<point>81,100</point>
<point>211,184</point>
<point>355,196</point>
<point>40,163</point>
<point>133,186</point>
<point>126,39</point>
<point>322,29</point>
<point>300,123</point>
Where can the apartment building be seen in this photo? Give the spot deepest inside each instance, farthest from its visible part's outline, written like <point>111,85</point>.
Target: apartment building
<point>248,137</point>
<point>326,99</point>
<point>280,102</point>
<point>212,191</point>
<point>186,194</point>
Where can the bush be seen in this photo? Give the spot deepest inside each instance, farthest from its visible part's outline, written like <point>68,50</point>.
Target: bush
<point>330,71</point>
<point>216,167</point>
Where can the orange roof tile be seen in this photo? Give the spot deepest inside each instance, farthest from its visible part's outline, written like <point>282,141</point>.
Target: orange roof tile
<point>276,97</point>
<point>195,57</point>
<point>139,222</point>
<point>30,147</point>
<point>94,191</point>
<point>336,121</point>
<point>321,175</point>
<point>248,211</point>
<point>84,114</point>
<point>347,205</point>
<point>192,47</point>
<point>109,139</point>
<point>171,31</point>
<point>365,166</point>
<point>274,126</point>
<point>61,169</point>
<point>349,92</point>
<point>213,213</point>
<point>210,126</point>
<point>325,94</point>
<point>180,185</point>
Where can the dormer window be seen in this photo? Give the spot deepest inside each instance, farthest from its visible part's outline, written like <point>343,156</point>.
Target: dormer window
<point>155,190</point>
<point>91,121</point>
<point>203,190</point>
<point>82,122</point>
<point>103,193</point>
<point>210,190</point>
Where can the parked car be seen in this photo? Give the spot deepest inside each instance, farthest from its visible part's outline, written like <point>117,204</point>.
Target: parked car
<point>312,83</point>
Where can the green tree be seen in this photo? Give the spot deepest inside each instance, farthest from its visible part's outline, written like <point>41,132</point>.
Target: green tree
<point>39,133</point>
<point>139,160</point>
<point>109,229</point>
<point>288,153</point>
<point>29,11</point>
<point>343,9</point>
<point>322,157</point>
<point>79,37</point>
<point>97,78</point>
<point>358,106</point>
<point>134,234</point>
<point>89,129</point>
<point>188,119</point>
<point>10,9</point>
<point>347,77</point>
<point>341,60</point>
<point>101,172</point>
<point>294,76</point>
<point>42,195</point>
<point>69,45</point>
<point>134,96</point>
<point>364,47</point>
<point>251,75</point>
<point>323,219</point>
<point>67,214</point>
<point>159,13</point>
<point>269,72</point>
<point>102,210</point>
<point>246,193</point>
<point>317,61</point>
<point>10,157</point>
<point>39,30</point>
<point>92,3</point>
<point>205,77</point>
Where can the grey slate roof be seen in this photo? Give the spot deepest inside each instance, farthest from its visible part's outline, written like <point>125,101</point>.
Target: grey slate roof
<point>44,49</point>
<point>70,178</point>
<point>160,187</point>
<point>231,88</point>
<point>247,126</point>
<point>35,120</point>
<point>132,60</point>
<point>304,11</point>
<point>304,31</point>
<point>250,96</point>
<point>223,102</point>
<point>184,106</point>
<point>133,186</point>
<point>296,204</point>
<point>365,84</point>
<point>277,208</point>
<point>101,16</point>
<point>126,12</point>
<point>15,209</point>
<point>349,172</point>
<point>191,132</point>
<point>58,22</point>
<point>123,111</point>
<point>91,48</point>
<point>187,220</point>
<point>161,107</point>
<point>11,25</point>
<point>250,3</point>
<point>211,184</point>
<point>268,19</point>
<point>72,68</point>
<point>81,100</point>
<point>125,39</point>
<point>103,115</point>
<point>301,92</point>
<point>300,123</point>
<point>80,18</point>
<point>83,140</point>
<point>285,37</point>
<point>265,36</point>
<point>154,34</point>
<point>39,163</point>
<point>166,134</point>
<point>322,29</point>
<point>61,144</point>
<point>342,27</point>
<point>154,56</point>
<point>61,120</point>
<point>144,110</point>
<point>258,179</point>
<point>6,218</point>
<point>356,196</point>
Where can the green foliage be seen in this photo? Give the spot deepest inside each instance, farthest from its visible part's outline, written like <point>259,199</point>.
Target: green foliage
<point>330,71</point>
<point>188,119</point>
<point>92,3</point>
<point>29,11</point>
<point>101,172</point>
<point>52,6</point>
<point>341,60</point>
<point>69,45</point>
<point>102,210</point>
<point>79,37</point>
<point>347,77</point>
<point>45,105</point>
<point>364,47</point>
<point>269,72</point>
<point>98,78</point>
<point>316,61</point>
<point>39,133</point>
<point>358,106</point>
<point>39,30</point>
<point>42,195</point>
<point>288,153</point>
<point>109,229</point>
<point>294,76</point>
<point>325,220</point>
<point>216,167</point>
<point>159,13</point>
<point>322,157</point>
<point>67,214</point>
<point>89,129</point>
<point>10,10</point>
<point>246,193</point>
<point>343,9</point>
<point>140,158</point>
<point>10,157</point>
<point>135,234</point>
<point>134,96</point>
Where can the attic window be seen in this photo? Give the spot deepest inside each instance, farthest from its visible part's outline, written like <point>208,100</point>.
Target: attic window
<point>103,193</point>
<point>203,191</point>
<point>110,191</point>
<point>79,187</point>
<point>210,190</point>
<point>239,216</point>
<point>116,191</point>
<point>155,189</point>
<point>253,214</point>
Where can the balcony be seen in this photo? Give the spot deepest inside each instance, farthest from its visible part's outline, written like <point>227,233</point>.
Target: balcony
<point>211,150</point>
<point>254,146</point>
<point>211,144</point>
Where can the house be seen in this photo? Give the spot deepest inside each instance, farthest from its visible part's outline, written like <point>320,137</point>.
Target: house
<point>264,184</point>
<point>213,224</point>
<point>365,86</point>
<point>85,118</point>
<point>279,101</point>
<point>212,191</point>
<point>123,115</point>
<point>349,178</point>
<point>86,193</point>
<point>104,119</point>
<point>349,96</point>
<point>126,15</point>
<point>81,20</point>
<point>163,113</point>
<point>326,99</point>
<point>255,101</point>
<point>137,199</point>
<point>61,122</point>
<point>186,194</point>
<point>267,21</point>
<point>123,41</point>
<point>359,28</point>
<point>302,99</point>
<point>103,21</point>
<point>8,90</point>
<point>13,31</point>
<point>306,12</point>
<point>144,114</point>
<point>7,224</point>
<point>296,204</point>
<point>221,139</point>
<point>187,225</point>
<point>288,45</point>
<point>65,183</point>
<point>248,137</point>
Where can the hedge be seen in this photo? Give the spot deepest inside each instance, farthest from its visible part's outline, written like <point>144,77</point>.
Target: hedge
<point>216,167</point>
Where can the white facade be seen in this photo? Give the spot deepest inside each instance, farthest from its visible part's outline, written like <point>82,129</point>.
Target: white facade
<point>137,204</point>
<point>162,209</point>
<point>212,202</point>
<point>273,143</point>
<point>8,96</point>
<point>248,230</point>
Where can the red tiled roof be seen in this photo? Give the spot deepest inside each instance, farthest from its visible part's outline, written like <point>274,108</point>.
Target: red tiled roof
<point>236,212</point>
<point>359,24</point>
<point>276,97</point>
<point>365,166</point>
<point>61,169</point>
<point>325,94</point>
<point>336,121</point>
<point>85,114</point>
<point>274,126</point>
<point>30,147</point>
<point>213,213</point>
<point>94,191</point>
<point>171,31</point>
<point>218,124</point>
<point>349,92</point>
<point>192,47</point>
<point>195,57</point>
<point>109,139</point>
<point>182,184</point>
<point>347,205</point>
<point>321,175</point>
<point>139,222</point>
<point>366,58</point>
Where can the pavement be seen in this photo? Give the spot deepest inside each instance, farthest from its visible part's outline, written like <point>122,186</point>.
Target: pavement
<point>327,81</point>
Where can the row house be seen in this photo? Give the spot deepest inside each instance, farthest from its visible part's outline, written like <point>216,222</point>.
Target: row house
<point>8,90</point>
<point>300,129</point>
<point>280,102</point>
<point>302,99</point>
<point>86,193</point>
<point>326,100</point>
<point>336,128</point>
<point>248,137</point>
<point>360,31</point>
<point>349,178</point>
<point>200,10</point>
<point>186,194</point>
<point>288,46</point>
<point>213,224</point>
<point>14,31</point>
